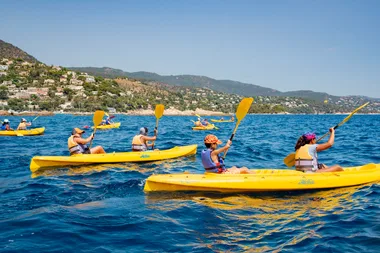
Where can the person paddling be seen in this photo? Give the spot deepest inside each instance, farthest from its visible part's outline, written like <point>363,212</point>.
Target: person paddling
<point>77,144</point>
<point>306,158</point>
<point>5,126</point>
<point>213,162</point>
<point>140,141</point>
<point>23,124</point>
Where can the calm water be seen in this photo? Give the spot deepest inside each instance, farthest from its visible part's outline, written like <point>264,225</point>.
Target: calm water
<point>103,208</point>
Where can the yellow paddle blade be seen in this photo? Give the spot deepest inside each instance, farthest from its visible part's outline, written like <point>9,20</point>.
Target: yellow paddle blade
<point>243,108</point>
<point>290,160</point>
<point>352,113</point>
<point>98,117</point>
<point>159,111</point>
<point>106,114</point>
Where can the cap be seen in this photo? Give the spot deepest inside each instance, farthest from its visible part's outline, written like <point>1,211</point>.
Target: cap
<point>211,139</point>
<point>144,131</point>
<point>23,120</point>
<point>77,131</point>
<point>309,136</point>
<point>6,121</point>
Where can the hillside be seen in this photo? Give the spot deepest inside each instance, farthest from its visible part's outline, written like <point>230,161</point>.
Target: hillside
<point>7,50</point>
<point>226,86</point>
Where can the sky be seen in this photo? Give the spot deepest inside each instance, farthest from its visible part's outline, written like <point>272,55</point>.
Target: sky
<point>326,46</point>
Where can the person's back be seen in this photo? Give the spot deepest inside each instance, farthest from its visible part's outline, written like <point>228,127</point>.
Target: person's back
<point>306,157</point>
<point>140,141</point>
<point>5,126</point>
<point>23,124</point>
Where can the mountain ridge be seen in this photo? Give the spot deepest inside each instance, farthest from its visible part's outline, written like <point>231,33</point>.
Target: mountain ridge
<point>227,86</point>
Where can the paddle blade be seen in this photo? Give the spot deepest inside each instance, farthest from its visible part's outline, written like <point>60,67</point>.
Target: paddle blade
<point>352,113</point>
<point>113,116</point>
<point>106,114</point>
<point>243,108</point>
<point>290,160</point>
<point>98,117</point>
<point>159,110</point>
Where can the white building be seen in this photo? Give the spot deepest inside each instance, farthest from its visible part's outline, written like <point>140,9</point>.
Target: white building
<point>3,67</point>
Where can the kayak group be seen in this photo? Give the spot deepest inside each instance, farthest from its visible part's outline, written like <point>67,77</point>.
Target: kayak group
<point>5,126</point>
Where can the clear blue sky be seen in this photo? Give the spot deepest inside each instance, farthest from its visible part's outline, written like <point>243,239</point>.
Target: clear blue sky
<point>331,46</point>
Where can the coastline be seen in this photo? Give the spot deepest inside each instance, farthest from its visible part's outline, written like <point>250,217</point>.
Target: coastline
<point>167,112</point>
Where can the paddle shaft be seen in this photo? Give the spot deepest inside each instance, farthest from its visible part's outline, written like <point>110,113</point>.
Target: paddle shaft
<point>92,138</point>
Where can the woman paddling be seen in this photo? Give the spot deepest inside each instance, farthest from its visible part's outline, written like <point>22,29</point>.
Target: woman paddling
<point>306,158</point>
<point>77,144</point>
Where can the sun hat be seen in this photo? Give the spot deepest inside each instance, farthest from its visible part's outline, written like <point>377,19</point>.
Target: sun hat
<point>211,139</point>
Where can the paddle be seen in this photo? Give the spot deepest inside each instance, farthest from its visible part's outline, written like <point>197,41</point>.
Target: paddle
<point>158,112</point>
<point>35,118</point>
<point>290,159</point>
<point>241,111</point>
<point>97,119</point>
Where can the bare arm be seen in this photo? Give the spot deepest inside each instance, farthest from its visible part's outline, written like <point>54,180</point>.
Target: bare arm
<point>83,141</point>
<point>223,149</point>
<point>329,143</point>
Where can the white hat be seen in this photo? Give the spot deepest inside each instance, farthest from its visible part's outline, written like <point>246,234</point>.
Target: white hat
<point>6,121</point>
<point>23,120</point>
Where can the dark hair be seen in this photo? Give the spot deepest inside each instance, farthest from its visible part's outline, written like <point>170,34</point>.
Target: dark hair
<point>301,142</point>
<point>208,145</point>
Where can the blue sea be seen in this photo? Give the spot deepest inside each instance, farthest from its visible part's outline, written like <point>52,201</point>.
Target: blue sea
<point>102,208</point>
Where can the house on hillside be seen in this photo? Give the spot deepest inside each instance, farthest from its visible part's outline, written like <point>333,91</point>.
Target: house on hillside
<point>3,67</point>
<point>3,73</point>
<point>111,110</point>
<point>75,88</point>
<point>56,68</point>
<point>90,79</point>
<point>49,82</point>
<point>76,82</point>
<point>72,73</point>
<point>63,79</point>
<point>22,95</point>
<point>25,63</point>
<point>24,73</point>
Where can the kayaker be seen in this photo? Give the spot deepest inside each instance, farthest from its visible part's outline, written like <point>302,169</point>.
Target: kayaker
<point>198,123</point>
<point>204,122</point>
<point>213,162</point>
<point>23,124</point>
<point>5,126</point>
<point>108,121</point>
<point>306,158</point>
<point>77,145</point>
<point>232,118</point>
<point>140,141</point>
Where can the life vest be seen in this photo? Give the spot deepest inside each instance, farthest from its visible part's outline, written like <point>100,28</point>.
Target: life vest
<point>137,145</point>
<point>21,126</point>
<point>304,161</point>
<point>209,164</point>
<point>4,127</point>
<point>76,148</point>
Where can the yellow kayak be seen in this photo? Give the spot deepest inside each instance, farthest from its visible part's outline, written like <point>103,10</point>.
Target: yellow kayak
<point>209,127</point>
<point>34,131</point>
<point>38,162</point>
<point>113,125</point>
<point>264,180</point>
<point>220,121</point>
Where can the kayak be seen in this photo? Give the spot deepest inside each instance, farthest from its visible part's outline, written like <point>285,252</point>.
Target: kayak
<point>264,180</point>
<point>113,125</point>
<point>220,121</point>
<point>38,162</point>
<point>34,131</point>
<point>208,127</point>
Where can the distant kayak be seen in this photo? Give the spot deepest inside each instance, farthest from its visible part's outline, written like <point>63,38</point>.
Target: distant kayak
<point>113,125</point>
<point>208,127</point>
<point>264,180</point>
<point>38,162</point>
<point>220,121</point>
<point>30,132</point>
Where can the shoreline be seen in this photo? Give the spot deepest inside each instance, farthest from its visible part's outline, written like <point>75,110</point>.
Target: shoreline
<point>167,112</point>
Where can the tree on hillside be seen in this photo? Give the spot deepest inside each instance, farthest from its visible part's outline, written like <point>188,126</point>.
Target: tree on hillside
<point>3,92</point>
